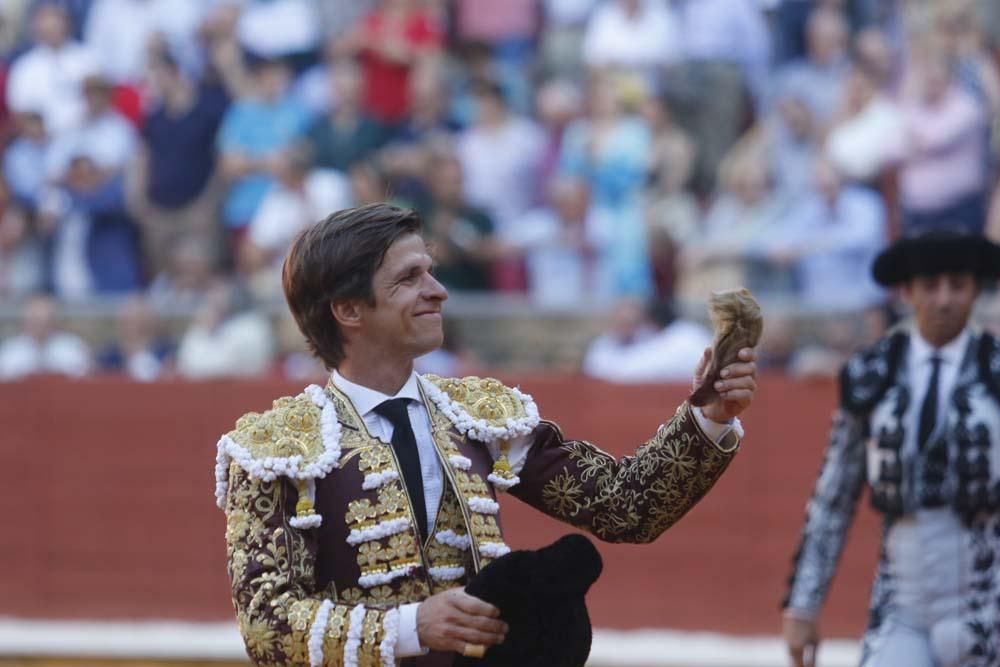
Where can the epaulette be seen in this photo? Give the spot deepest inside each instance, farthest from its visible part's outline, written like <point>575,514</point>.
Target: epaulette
<point>298,438</point>
<point>989,363</point>
<point>869,374</point>
<point>482,408</point>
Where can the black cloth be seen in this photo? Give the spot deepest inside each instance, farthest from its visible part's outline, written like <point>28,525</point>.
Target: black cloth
<point>405,445</point>
<point>540,595</point>
<point>928,410</point>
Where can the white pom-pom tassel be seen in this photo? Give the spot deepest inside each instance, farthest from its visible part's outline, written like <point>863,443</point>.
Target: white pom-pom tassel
<point>316,633</point>
<point>375,480</point>
<point>446,573</point>
<point>503,483</point>
<point>379,578</point>
<point>306,522</point>
<point>378,531</point>
<point>494,549</point>
<point>353,642</point>
<point>387,649</point>
<point>452,539</point>
<point>481,505</point>
<point>460,462</point>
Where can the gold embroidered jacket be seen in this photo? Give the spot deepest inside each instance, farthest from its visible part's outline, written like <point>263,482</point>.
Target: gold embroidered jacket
<point>321,537</point>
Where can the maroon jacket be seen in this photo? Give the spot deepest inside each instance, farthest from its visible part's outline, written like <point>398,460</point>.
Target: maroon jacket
<point>320,533</point>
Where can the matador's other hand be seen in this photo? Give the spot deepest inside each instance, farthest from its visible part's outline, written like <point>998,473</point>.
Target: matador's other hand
<point>736,386</point>
<point>450,620</point>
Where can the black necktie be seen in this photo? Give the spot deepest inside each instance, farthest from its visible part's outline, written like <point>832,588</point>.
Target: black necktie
<point>405,445</point>
<point>928,410</point>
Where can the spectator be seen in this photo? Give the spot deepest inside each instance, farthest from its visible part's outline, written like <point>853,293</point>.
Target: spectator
<point>638,35</point>
<point>225,340</point>
<point>562,39</point>
<point>553,239</point>
<point>726,55</point>
<point>610,152</point>
<point>818,80</point>
<point>173,188</point>
<point>557,104</point>
<point>746,211</point>
<point>24,160</point>
<point>368,183</point>
<point>942,179</point>
<point>48,77</point>
<point>831,239</point>
<point>184,283</point>
<point>254,132</point>
<point>874,55</point>
<point>672,214</point>
<point>791,141</point>
<point>389,42</point>
<point>119,34</point>
<point>95,245</point>
<point>312,87</point>
<point>272,29</point>
<point>346,134</point>
<point>13,14</point>
<point>41,347</point>
<point>140,351</point>
<point>510,29</point>
<point>299,198</point>
<point>865,136</point>
<point>501,156</point>
<point>646,346</point>
<point>460,235</point>
<point>959,35</point>
<point>430,116</point>
<point>103,134</point>
<point>22,268</point>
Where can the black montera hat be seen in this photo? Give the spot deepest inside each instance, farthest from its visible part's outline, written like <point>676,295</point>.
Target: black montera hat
<point>540,595</point>
<point>934,253</point>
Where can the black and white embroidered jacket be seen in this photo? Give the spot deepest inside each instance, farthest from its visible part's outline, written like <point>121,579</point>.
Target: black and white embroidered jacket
<point>958,469</point>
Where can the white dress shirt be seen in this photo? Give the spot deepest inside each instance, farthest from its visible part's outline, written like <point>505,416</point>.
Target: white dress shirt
<point>919,367</point>
<point>365,401</point>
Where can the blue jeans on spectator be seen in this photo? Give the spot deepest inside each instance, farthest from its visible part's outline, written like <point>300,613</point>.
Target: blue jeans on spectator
<point>968,215</point>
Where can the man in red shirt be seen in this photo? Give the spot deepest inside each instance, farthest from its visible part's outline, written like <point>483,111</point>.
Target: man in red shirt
<point>388,43</point>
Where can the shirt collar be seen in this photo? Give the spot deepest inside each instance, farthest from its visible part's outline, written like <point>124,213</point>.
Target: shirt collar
<point>951,353</point>
<point>365,400</point>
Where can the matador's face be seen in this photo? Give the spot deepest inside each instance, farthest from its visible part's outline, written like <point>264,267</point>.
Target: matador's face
<point>406,317</point>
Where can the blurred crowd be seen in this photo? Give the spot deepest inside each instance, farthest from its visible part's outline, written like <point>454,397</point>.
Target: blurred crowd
<point>631,152</point>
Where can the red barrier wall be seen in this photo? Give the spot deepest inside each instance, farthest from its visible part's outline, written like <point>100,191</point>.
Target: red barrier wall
<point>110,510</point>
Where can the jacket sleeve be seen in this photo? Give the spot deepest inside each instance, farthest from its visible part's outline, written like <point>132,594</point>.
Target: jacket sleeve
<point>283,619</point>
<point>828,515</point>
<point>633,499</point>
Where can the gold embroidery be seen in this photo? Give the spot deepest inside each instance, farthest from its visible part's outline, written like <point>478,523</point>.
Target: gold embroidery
<point>361,513</point>
<point>562,494</point>
<point>482,398</point>
<point>335,635</point>
<point>371,636</point>
<point>289,428</point>
<point>639,497</point>
<point>353,596</point>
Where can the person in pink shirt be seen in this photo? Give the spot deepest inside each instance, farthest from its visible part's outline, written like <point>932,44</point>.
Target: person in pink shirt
<point>942,177</point>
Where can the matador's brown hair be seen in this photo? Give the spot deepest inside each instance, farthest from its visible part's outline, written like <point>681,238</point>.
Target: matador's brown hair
<point>334,261</point>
